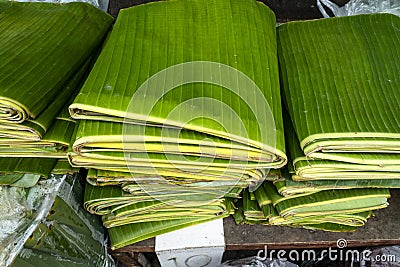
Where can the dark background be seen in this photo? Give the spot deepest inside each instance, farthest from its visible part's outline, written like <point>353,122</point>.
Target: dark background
<point>285,10</point>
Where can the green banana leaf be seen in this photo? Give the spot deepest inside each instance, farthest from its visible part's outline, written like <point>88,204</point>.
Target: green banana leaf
<point>24,172</point>
<point>200,188</point>
<point>135,216</point>
<point>120,159</point>
<point>339,165</point>
<point>63,167</point>
<point>107,199</point>
<point>54,143</point>
<point>351,220</point>
<point>191,179</point>
<point>340,84</point>
<point>104,178</point>
<point>121,236</point>
<point>262,196</point>
<point>35,129</point>
<point>43,46</point>
<point>289,185</point>
<point>251,209</point>
<point>329,202</point>
<point>150,211</point>
<point>93,136</point>
<point>173,166</point>
<point>238,39</point>
<point>251,213</point>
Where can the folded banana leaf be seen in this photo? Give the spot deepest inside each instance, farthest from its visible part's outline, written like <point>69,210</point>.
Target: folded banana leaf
<point>186,194</point>
<point>248,212</point>
<point>112,159</point>
<point>150,211</point>
<point>229,51</point>
<point>135,216</point>
<point>261,195</point>
<point>63,167</point>
<point>104,178</point>
<point>341,86</point>
<point>54,143</point>
<point>36,129</point>
<point>156,185</point>
<point>108,199</point>
<point>329,201</point>
<point>345,219</point>
<point>171,174</point>
<point>124,235</point>
<point>99,145</point>
<point>339,165</point>
<point>94,136</point>
<point>252,212</point>
<point>43,46</point>
<point>291,184</point>
<point>24,172</point>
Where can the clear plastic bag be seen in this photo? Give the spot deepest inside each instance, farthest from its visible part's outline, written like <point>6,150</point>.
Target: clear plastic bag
<point>23,210</point>
<point>382,256</point>
<point>356,7</point>
<point>257,262</point>
<point>47,223</point>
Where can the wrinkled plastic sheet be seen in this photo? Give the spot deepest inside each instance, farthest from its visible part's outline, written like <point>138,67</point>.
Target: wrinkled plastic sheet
<point>27,210</point>
<point>382,256</point>
<point>22,210</point>
<point>258,262</point>
<point>356,7</point>
<point>100,4</point>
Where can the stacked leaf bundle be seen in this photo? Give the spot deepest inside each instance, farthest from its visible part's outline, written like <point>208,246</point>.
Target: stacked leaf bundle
<point>45,50</point>
<point>341,85</point>
<point>326,209</point>
<point>183,104</point>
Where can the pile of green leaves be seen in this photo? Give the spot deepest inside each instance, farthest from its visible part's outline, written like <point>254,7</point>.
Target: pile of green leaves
<point>163,159</point>
<point>44,57</point>
<point>329,210</point>
<point>341,89</point>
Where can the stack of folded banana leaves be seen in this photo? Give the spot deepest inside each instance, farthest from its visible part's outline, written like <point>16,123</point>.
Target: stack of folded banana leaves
<point>45,53</point>
<point>183,104</point>
<point>323,209</point>
<point>341,88</point>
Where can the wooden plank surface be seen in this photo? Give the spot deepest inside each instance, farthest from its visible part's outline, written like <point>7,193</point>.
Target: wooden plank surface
<point>383,229</point>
